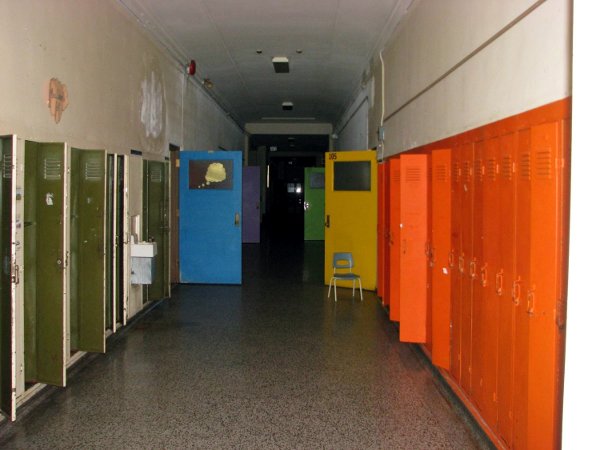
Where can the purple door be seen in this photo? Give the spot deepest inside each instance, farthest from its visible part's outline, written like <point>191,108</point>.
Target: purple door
<point>251,204</point>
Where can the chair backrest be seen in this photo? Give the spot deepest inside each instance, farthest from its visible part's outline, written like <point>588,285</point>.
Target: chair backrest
<point>342,260</point>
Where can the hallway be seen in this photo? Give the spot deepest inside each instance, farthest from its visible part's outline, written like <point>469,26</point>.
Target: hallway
<point>270,364</point>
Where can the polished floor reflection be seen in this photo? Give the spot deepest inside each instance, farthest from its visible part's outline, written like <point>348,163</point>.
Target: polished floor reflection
<point>270,364</point>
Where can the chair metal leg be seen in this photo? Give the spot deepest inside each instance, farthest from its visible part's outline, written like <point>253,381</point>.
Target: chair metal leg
<point>360,286</point>
<point>353,287</point>
<point>335,289</point>
<point>329,291</point>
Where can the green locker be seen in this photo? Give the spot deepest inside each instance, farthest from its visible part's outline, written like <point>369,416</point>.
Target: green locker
<point>45,263</point>
<point>156,225</point>
<point>10,236</point>
<point>314,203</point>
<point>87,247</point>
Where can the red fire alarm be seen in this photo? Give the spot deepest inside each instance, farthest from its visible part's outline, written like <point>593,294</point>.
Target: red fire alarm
<point>191,67</point>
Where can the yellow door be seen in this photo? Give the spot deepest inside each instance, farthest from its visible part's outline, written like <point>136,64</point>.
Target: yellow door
<point>351,212</point>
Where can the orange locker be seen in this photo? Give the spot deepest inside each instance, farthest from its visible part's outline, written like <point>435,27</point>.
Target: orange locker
<point>394,238</point>
<point>386,248</point>
<point>490,265</point>
<point>503,281</point>
<point>381,229</point>
<point>519,287</point>
<point>465,266</point>
<point>453,263</point>
<point>441,215</point>
<point>543,291</point>
<point>478,327</point>
<point>413,257</point>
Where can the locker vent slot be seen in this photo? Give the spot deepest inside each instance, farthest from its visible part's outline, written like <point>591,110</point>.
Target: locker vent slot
<point>525,166</point>
<point>441,174</point>
<point>456,172</point>
<point>543,164</point>
<point>396,175</point>
<point>507,167</point>
<point>413,174</point>
<point>93,171</point>
<point>479,169</point>
<point>155,175</point>
<point>7,165</point>
<point>491,169</point>
<point>467,170</point>
<point>52,169</point>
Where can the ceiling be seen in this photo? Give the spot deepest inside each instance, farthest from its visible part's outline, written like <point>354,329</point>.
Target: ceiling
<point>329,44</point>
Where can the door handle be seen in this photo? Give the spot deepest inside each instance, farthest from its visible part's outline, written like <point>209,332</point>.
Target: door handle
<point>236,219</point>
<point>327,224</point>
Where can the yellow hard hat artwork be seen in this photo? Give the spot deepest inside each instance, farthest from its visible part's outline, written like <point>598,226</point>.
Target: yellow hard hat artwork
<point>215,173</point>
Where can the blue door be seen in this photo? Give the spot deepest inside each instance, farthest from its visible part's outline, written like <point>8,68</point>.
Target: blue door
<point>210,207</point>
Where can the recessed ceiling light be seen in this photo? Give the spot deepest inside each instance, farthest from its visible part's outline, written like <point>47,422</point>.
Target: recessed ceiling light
<point>259,51</point>
<point>299,51</point>
<point>287,106</point>
<point>281,64</point>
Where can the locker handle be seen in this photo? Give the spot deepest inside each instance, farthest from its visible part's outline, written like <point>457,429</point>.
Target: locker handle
<point>499,282</point>
<point>327,224</point>
<point>236,219</point>
<point>516,292</point>
<point>484,275</point>
<point>473,269</point>
<point>451,259</point>
<point>461,264</point>
<point>15,274</point>
<point>431,257</point>
<point>530,301</point>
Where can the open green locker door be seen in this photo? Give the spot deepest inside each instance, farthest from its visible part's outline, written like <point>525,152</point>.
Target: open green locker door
<point>45,275</point>
<point>156,225</point>
<point>88,177</point>
<point>10,287</point>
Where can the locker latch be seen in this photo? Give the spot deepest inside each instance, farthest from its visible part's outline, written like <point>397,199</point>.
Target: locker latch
<point>461,264</point>
<point>15,274</point>
<point>499,282</point>
<point>484,275</point>
<point>516,292</point>
<point>530,301</point>
<point>473,269</point>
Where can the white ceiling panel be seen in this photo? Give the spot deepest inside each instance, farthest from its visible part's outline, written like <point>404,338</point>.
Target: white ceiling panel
<point>337,39</point>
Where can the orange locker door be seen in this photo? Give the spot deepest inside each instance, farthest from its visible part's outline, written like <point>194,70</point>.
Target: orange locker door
<point>465,266</point>
<point>413,258</point>
<point>503,280</point>
<point>544,289</point>
<point>381,234</point>
<point>478,327</point>
<point>490,265</point>
<point>453,263</point>
<point>519,288</point>
<point>440,249</point>
<point>386,249</point>
<point>394,238</point>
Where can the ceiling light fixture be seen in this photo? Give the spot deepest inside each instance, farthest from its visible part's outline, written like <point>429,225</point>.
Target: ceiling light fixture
<point>287,106</point>
<point>281,64</point>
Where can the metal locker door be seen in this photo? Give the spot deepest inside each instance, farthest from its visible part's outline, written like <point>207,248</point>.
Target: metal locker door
<point>502,282</point>
<point>490,264</point>
<point>453,263</point>
<point>441,214</point>
<point>381,239</point>
<point>45,266</point>
<point>88,178</point>
<point>478,327</point>
<point>465,266</point>
<point>394,237</point>
<point>413,258</point>
<point>519,287</point>
<point>386,235</point>
<point>11,289</point>
<point>544,290</point>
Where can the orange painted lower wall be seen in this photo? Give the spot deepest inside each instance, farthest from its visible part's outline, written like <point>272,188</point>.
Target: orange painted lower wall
<point>504,277</point>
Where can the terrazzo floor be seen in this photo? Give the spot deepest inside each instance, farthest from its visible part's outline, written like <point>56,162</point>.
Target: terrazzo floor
<point>270,364</point>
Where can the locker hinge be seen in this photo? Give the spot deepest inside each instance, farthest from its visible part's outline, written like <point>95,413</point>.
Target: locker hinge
<point>15,274</point>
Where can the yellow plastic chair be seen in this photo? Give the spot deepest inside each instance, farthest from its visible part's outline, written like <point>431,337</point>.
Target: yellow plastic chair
<point>343,261</point>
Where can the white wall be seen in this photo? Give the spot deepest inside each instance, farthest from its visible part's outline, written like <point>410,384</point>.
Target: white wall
<point>353,128</point>
<point>114,74</point>
<point>582,391</point>
<point>526,66</point>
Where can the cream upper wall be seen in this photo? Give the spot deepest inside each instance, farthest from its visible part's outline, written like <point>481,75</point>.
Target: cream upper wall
<point>525,67</point>
<point>105,59</point>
